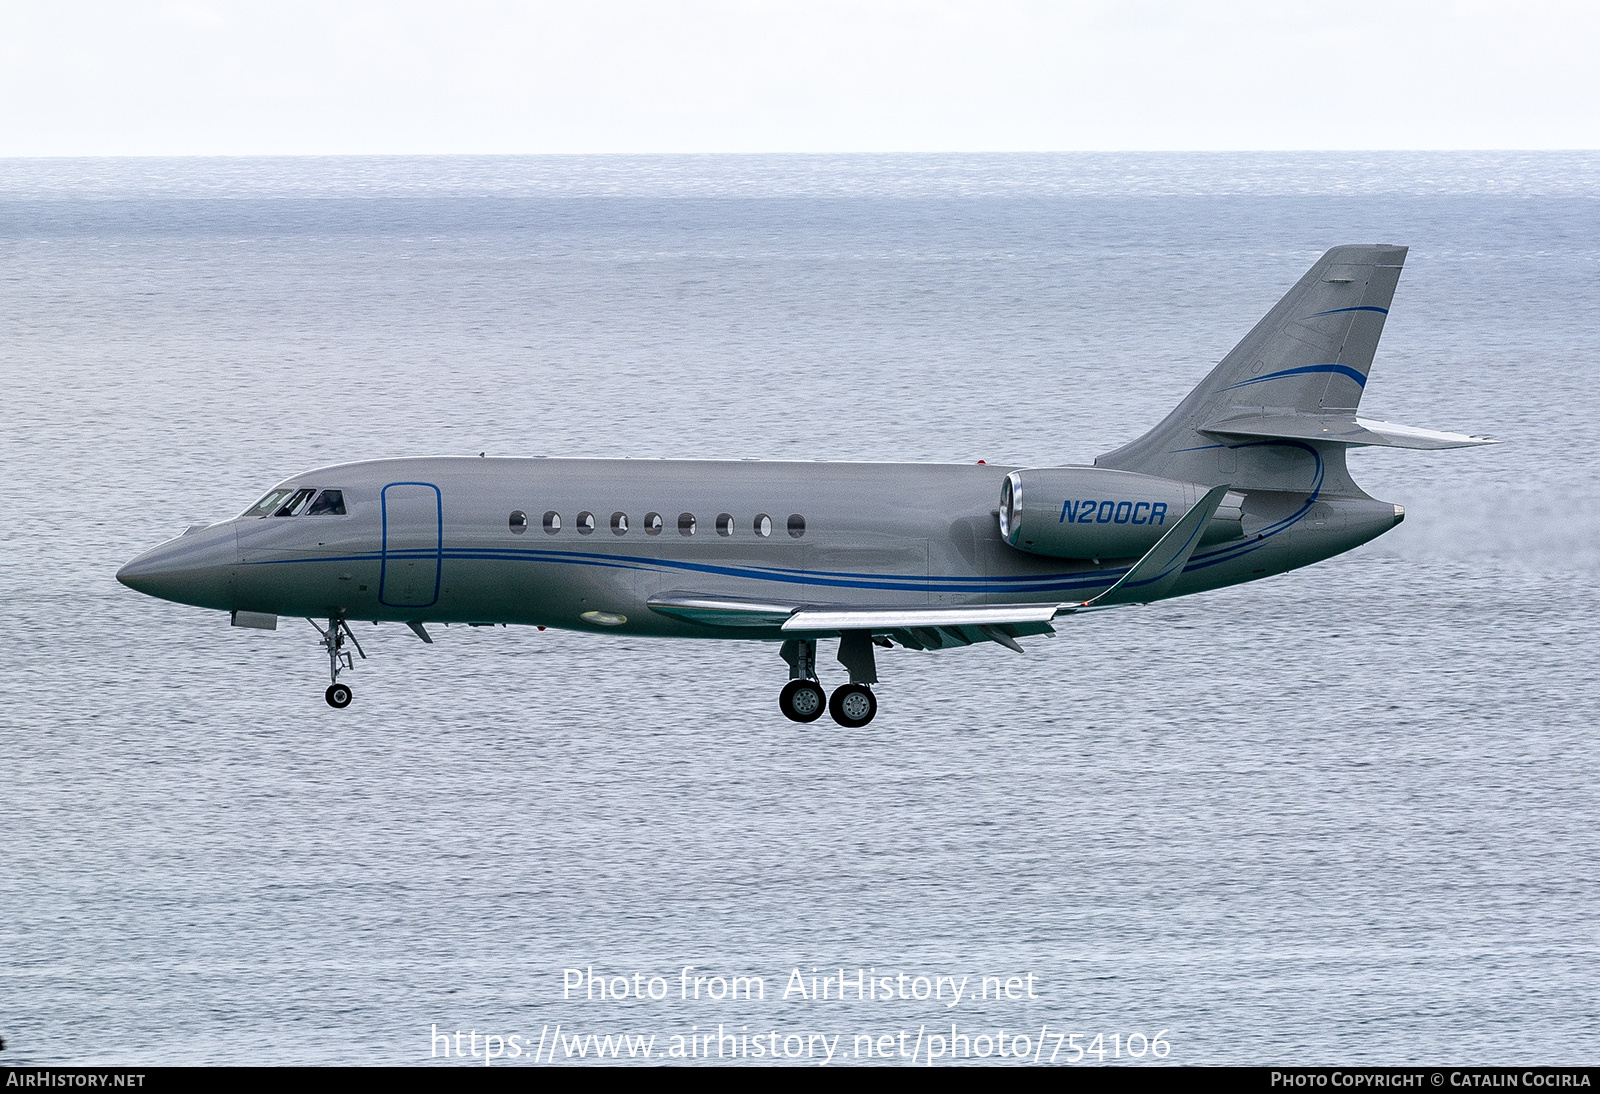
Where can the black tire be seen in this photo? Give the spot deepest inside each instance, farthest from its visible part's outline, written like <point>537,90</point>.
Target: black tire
<point>853,705</point>
<point>802,701</point>
<point>338,696</point>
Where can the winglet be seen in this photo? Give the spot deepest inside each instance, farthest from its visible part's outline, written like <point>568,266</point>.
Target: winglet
<point>1162,565</point>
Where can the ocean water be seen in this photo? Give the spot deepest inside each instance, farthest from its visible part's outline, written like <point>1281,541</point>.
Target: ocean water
<point>1344,815</point>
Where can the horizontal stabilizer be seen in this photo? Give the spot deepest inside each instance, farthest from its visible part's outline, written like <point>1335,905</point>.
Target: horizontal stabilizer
<point>1338,427</point>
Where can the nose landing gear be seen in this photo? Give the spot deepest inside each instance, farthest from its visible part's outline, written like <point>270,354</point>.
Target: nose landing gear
<point>338,695</point>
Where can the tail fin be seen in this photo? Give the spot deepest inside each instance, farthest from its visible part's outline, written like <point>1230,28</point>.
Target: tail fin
<point>1305,364</point>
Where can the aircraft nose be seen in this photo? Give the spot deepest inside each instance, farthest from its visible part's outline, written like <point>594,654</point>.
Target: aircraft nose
<point>146,573</point>
<point>129,576</point>
<point>196,568</point>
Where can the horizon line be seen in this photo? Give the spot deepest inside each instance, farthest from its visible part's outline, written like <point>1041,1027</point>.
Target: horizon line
<point>4,156</point>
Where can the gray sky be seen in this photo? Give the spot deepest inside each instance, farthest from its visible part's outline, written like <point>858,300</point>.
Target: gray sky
<point>191,77</point>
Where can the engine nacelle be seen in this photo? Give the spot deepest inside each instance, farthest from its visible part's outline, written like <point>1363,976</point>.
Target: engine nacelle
<point>1095,512</point>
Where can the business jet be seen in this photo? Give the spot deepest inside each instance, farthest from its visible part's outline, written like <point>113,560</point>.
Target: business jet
<point>1246,478</point>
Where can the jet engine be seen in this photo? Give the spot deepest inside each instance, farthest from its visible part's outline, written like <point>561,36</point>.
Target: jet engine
<point>1095,512</point>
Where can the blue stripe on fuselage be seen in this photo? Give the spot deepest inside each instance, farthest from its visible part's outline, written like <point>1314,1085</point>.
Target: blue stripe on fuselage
<point>1022,583</point>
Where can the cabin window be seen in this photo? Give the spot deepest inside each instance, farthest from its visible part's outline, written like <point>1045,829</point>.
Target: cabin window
<point>619,524</point>
<point>519,522</point>
<point>585,523</point>
<point>329,503</point>
<point>296,504</point>
<point>762,525</point>
<point>652,524</point>
<point>267,504</point>
<point>797,525</point>
<point>552,522</point>
<point>686,524</point>
<point>724,524</point>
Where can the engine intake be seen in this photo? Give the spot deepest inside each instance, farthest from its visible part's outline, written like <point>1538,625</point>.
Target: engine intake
<point>1095,512</point>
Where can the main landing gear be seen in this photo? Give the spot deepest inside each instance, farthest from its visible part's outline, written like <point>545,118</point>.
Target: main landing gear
<point>802,700</point>
<point>852,705</point>
<point>339,659</point>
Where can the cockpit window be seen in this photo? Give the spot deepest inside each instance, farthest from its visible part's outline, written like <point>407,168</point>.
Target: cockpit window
<point>329,503</point>
<point>286,501</point>
<point>295,505</point>
<point>267,504</point>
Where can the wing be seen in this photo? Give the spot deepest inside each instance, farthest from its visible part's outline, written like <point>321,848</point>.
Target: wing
<point>916,627</point>
<point>933,628</point>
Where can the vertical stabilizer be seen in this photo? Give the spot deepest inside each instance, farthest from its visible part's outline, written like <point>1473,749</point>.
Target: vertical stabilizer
<point>1310,355</point>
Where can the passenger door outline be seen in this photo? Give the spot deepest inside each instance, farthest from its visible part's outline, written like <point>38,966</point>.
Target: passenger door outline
<point>412,555</point>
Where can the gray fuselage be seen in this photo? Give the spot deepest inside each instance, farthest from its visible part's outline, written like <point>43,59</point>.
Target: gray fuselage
<point>433,539</point>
